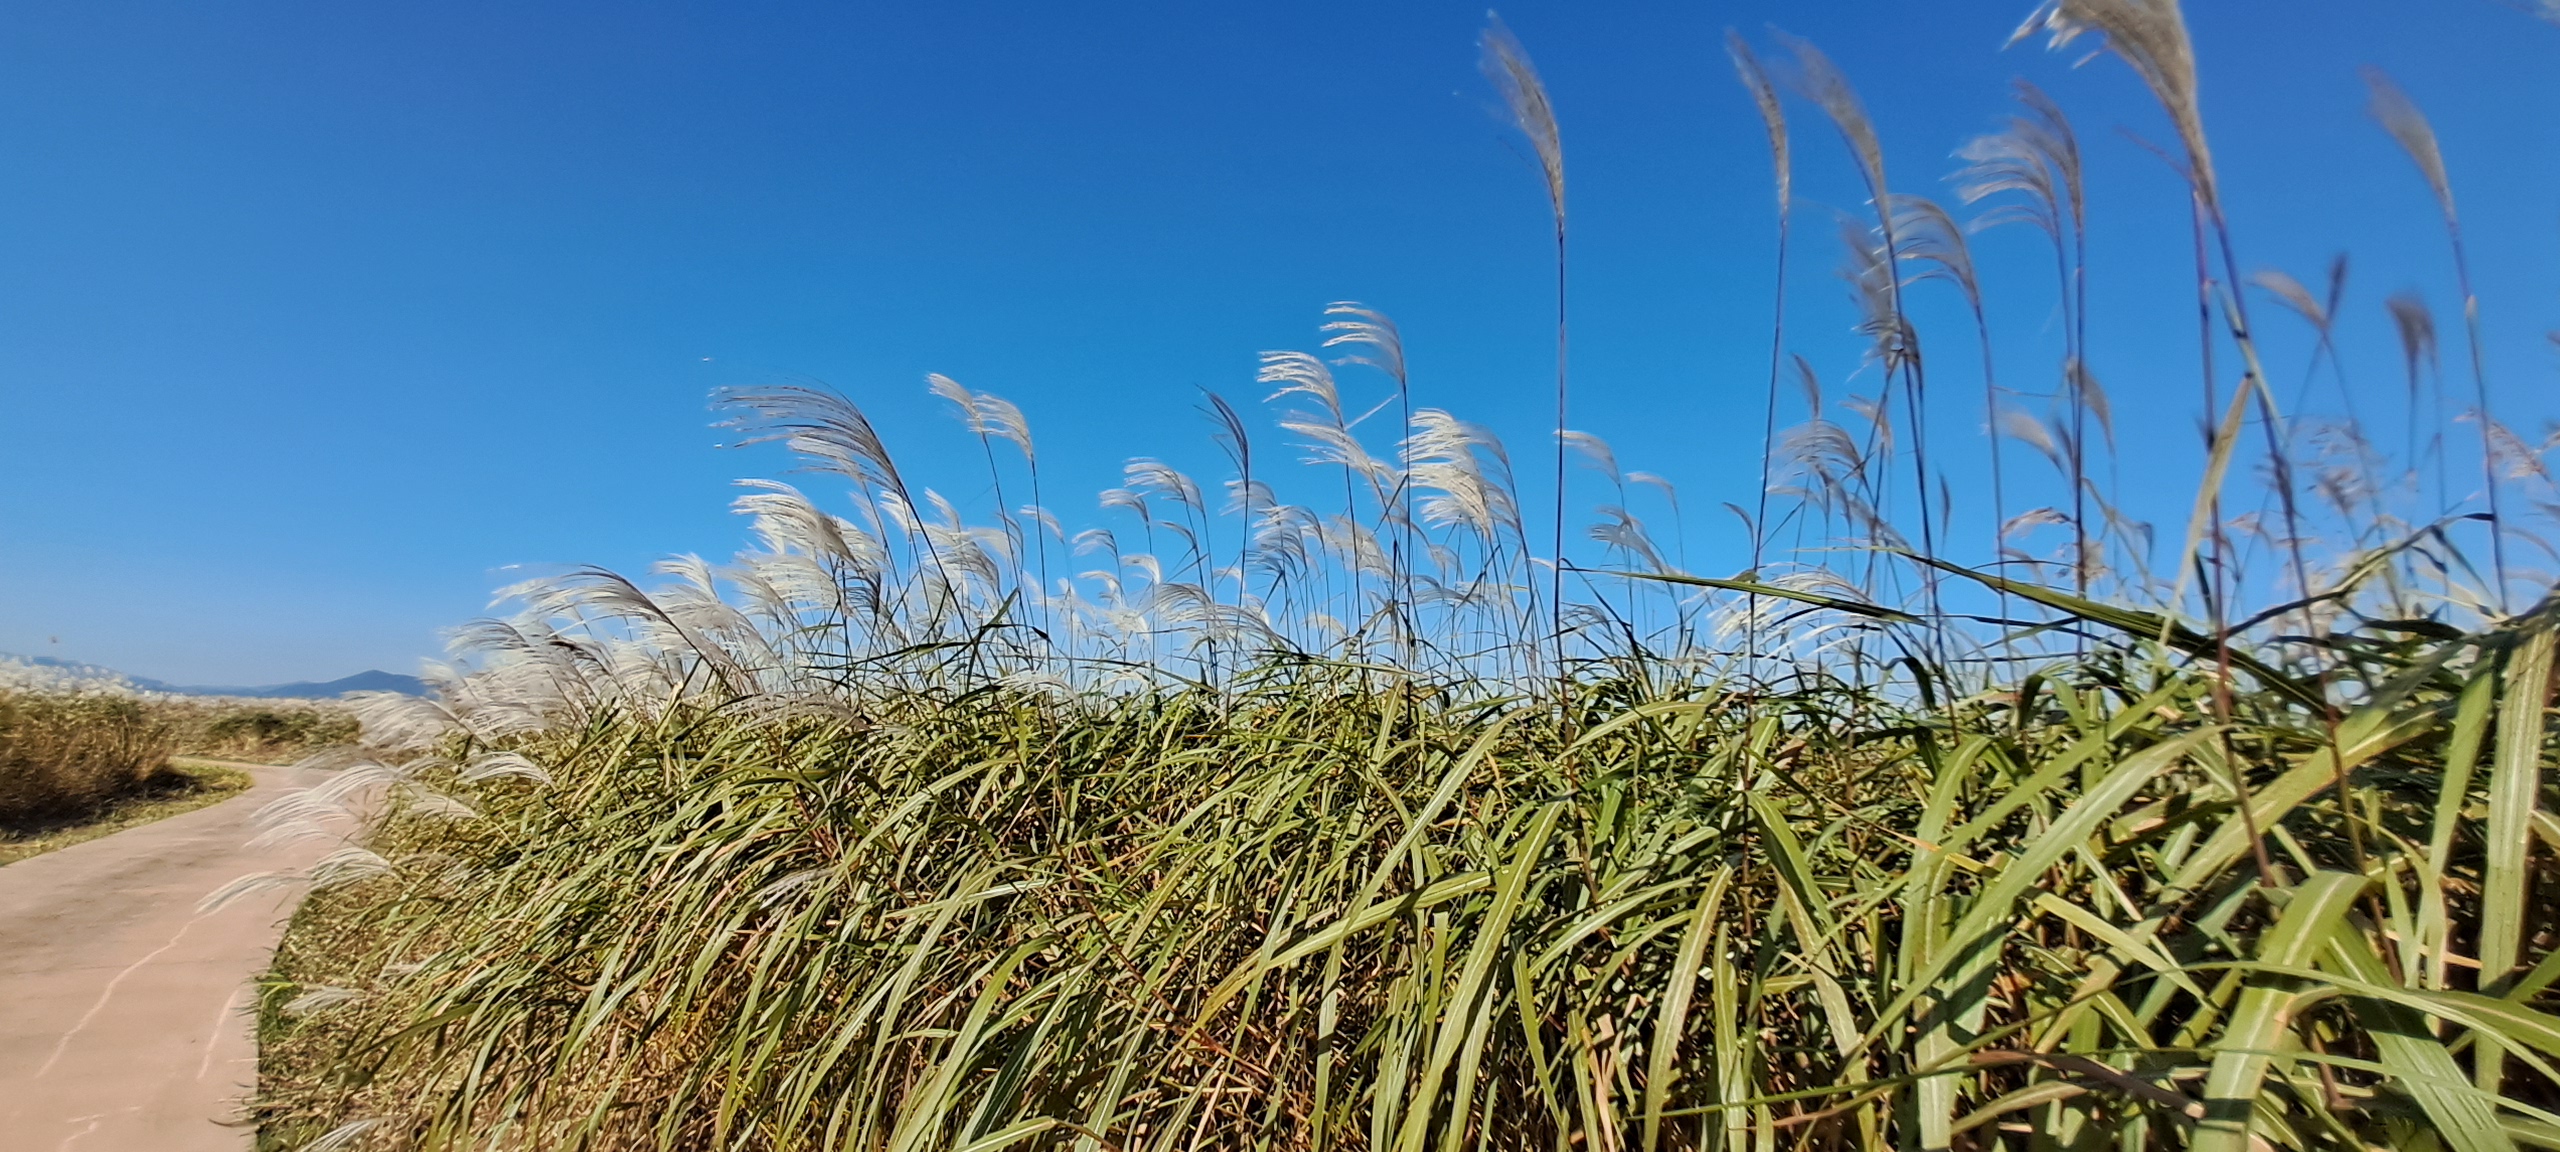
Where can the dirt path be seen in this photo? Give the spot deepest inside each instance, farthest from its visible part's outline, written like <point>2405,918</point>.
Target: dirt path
<point>124,1023</point>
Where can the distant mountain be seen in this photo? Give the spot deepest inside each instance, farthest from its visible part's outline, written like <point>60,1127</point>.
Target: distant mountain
<point>56,673</point>
<point>374,680</point>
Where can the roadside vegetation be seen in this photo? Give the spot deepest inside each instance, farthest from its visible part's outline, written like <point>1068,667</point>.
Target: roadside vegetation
<point>62,756</point>
<point>1387,820</point>
<point>182,786</point>
<point>78,763</point>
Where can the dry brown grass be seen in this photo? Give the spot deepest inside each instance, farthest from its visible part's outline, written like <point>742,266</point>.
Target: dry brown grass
<point>68,757</point>
<point>64,755</point>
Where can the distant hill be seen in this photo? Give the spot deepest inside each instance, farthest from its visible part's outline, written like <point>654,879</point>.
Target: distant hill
<point>367,681</point>
<point>51,672</point>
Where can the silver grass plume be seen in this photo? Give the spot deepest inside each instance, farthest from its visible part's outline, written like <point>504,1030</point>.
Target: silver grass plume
<point>1515,79</point>
<point>2150,36</point>
<point>2037,156</point>
<point>1822,82</point>
<point>1934,241</point>
<point>2296,298</point>
<point>2417,328</point>
<point>1773,120</point>
<point>965,401</point>
<point>817,424</point>
<point>1146,474</point>
<point>2409,128</point>
<point>1367,327</point>
<point>1004,420</point>
<point>2416,325</point>
<point>1596,452</point>
<point>1363,326</point>
<point>1299,374</point>
<point>1773,115</point>
<point>1872,284</point>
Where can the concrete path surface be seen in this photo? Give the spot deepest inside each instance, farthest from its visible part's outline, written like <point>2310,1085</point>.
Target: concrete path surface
<point>124,1012</point>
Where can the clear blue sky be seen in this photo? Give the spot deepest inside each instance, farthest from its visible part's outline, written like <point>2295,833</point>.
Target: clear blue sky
<point>314,317</point>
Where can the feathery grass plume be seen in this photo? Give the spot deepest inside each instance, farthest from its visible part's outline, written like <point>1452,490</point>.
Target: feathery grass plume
<point>1933,242</point>
<point>2416,325</point>
<point>2047,130</point>
<point>2400,117</point>
<point>972,410</point>
<point>1773,115</point>
<point>1005,420</point>
<point>1363,326</point>
<point>1236,441</point>
<point>2296,298</point>
<point>1329,433</point>
<point>824,427</point>
<point>1670,496</point>
<point>1822,82</point>
<point>2150,36</point>
<point>1596,453</point>
<point>817,424</point>
<point>1506,64</point>
<point>2321,312</point>
<point>1600,458</point>
<point>2408,127</point>
<point>1773,120</point>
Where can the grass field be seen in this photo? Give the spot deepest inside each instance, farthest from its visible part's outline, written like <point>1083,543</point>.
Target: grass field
<point>1366,823</point>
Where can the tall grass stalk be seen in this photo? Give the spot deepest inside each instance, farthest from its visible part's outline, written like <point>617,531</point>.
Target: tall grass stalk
<point>1773,118</point>
<point>1507,65</point>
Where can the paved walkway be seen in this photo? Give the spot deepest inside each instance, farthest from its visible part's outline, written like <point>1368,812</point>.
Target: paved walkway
<point>124,1012</point>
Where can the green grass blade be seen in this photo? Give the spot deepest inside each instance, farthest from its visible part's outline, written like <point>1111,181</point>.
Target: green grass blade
<point>2259,1023</point>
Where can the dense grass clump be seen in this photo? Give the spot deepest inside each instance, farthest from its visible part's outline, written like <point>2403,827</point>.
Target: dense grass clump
<point>1328,910</point>
<point>274,731</point>
<point>81,761</point>
<point>65,754</point>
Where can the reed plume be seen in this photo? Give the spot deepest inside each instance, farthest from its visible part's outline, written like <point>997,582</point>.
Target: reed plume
<point>2415,324</point>
<point>1933,241</point>
<point>971,410</point>
<point>2150,36</point>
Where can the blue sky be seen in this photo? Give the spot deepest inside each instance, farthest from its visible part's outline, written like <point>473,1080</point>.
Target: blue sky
<point>315,318</point>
